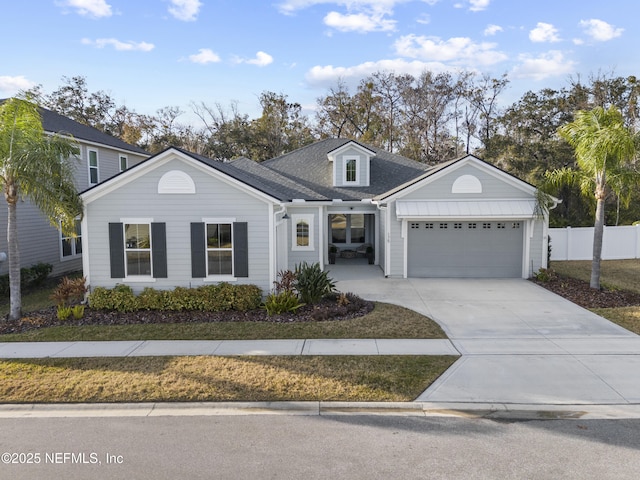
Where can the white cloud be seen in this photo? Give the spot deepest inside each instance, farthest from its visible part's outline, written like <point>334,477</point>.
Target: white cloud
<point>261,59</point>
<point>13,85</point>
<point>457,50</point>
<point>328,75</point>
<point>544,32</point>
<point>89,8</point>
<point>204,56</point>
<point>289,7</point>
<point>492,30</point>
<point>185,10</point>
<point>600,30</point>
<point>359,22</point>
<point>478,5</point>
<point>118,45</point>
<point>424,19</point>
<point>546,65</point>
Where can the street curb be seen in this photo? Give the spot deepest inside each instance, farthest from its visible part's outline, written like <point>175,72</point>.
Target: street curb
<point>494,411</point>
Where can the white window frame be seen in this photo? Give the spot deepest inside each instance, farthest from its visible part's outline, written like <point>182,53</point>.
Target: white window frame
<point>126,162</point>
<point>91,167</point>
<point>137,221</point>
<point>75,254</point>
<point>346,160</point>
<point>309,219</point>
<point>214,276</point>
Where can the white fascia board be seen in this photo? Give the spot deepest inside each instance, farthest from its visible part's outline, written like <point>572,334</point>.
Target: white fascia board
<point>351,144</point>
<point>142,169</point>
<point>97,144</point>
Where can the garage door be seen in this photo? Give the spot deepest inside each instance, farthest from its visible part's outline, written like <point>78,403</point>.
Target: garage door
<point>465,249</point>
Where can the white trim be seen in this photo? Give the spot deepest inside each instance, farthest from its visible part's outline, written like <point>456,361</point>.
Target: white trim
<point>345,160</point>
<point>309,219</point>
<point>97,166</point>
<point>223,276</point>
<point>405,243</point>
<point>322,251</point>
<point>86,267</point>
<point>137,221</point>
<point>350,144</point>
<point>85,142</point>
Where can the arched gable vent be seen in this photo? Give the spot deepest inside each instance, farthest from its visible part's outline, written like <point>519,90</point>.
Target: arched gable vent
<point>176,181</point>
<point>466,184</point>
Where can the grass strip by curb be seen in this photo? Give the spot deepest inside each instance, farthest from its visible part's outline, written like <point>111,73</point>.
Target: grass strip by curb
<point>190,379</point>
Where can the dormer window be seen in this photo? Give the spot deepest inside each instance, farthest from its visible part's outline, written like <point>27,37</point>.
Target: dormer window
<point>351,170</point>
<point>351,165</point>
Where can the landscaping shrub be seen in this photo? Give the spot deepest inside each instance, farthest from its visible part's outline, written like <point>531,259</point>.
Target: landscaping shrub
<point>212,298</point>
<point>30,277</point>
<point>69,291</point>
<point>312,282</point>
<point>283,302</point>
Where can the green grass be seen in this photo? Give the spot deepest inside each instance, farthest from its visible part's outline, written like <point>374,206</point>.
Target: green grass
<point>191,379</point>
<point>385,321</point>
<point>614,274</point>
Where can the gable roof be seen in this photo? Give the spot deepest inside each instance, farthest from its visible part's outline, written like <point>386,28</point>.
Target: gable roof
<point>397,191</point>
<point>310,167</point>
<point>55,123</point>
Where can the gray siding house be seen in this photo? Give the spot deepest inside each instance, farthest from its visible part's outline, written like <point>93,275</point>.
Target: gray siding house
<point>101,157</point>
<point>180,219</point>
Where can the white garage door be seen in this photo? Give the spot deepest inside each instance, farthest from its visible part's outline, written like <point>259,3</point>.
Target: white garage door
<point>465,249</point>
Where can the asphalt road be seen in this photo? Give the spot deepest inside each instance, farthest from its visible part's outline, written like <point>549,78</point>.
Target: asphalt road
<point>317,447</point>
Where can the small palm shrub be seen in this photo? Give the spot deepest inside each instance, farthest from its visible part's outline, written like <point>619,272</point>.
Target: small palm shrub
<point>283,302</point>
<point>312,282</point>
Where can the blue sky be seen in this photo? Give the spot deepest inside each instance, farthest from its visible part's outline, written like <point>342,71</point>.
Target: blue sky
<point>148,54</point>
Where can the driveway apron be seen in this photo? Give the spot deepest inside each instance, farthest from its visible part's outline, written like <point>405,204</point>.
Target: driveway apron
<point>519,343</point>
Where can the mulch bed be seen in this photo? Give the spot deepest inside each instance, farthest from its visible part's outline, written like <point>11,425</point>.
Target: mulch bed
<point>579,292</point>
<point>326,309</point>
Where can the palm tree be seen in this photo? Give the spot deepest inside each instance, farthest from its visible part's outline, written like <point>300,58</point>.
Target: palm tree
<point>37,166</point>
<point>604,149</point>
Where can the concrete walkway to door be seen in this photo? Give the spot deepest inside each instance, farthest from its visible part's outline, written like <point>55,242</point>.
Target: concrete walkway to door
<point>519,343</point>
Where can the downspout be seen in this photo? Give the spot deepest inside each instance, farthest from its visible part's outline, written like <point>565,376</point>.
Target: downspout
<point>273,264</point>
<point>383,210</point>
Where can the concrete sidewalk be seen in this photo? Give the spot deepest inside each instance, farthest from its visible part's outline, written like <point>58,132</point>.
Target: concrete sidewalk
<point>142,348</point>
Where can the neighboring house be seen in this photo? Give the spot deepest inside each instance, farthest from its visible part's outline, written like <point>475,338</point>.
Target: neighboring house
<point>101,157</point>
<point>180,219</point>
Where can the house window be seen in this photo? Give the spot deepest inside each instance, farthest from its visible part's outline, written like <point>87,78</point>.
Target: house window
<point>219,249</point>
<point>457,225</point>
<point>443,225</point>
<point>137,249</point>
<point>428,225</point>
<point>351,167</point>
<point>302,232</point>
<point>415,225</point>
<point>71,246</point>
<point>486,225</point>
<point>347,228</point>
<point>515,225</point>
<point>501,225</point>
<point>94,177</point>
<point>472,225</point>
<point>124,163</point>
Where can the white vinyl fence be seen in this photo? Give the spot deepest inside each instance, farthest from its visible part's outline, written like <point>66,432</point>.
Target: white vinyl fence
<point>577,243</point>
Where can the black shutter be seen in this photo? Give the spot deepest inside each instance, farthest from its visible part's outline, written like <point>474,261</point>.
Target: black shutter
<point>198,251</point>
<point>240,250</point>
<point>159,249</point>
<point>116,250</point>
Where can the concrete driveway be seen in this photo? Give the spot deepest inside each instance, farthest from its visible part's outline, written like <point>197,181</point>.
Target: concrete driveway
<point>519,342</point>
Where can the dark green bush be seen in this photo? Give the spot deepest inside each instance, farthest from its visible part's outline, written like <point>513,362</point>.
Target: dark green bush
<point>213,298</point>
<point>313,283</point>
<point>30,277</point>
